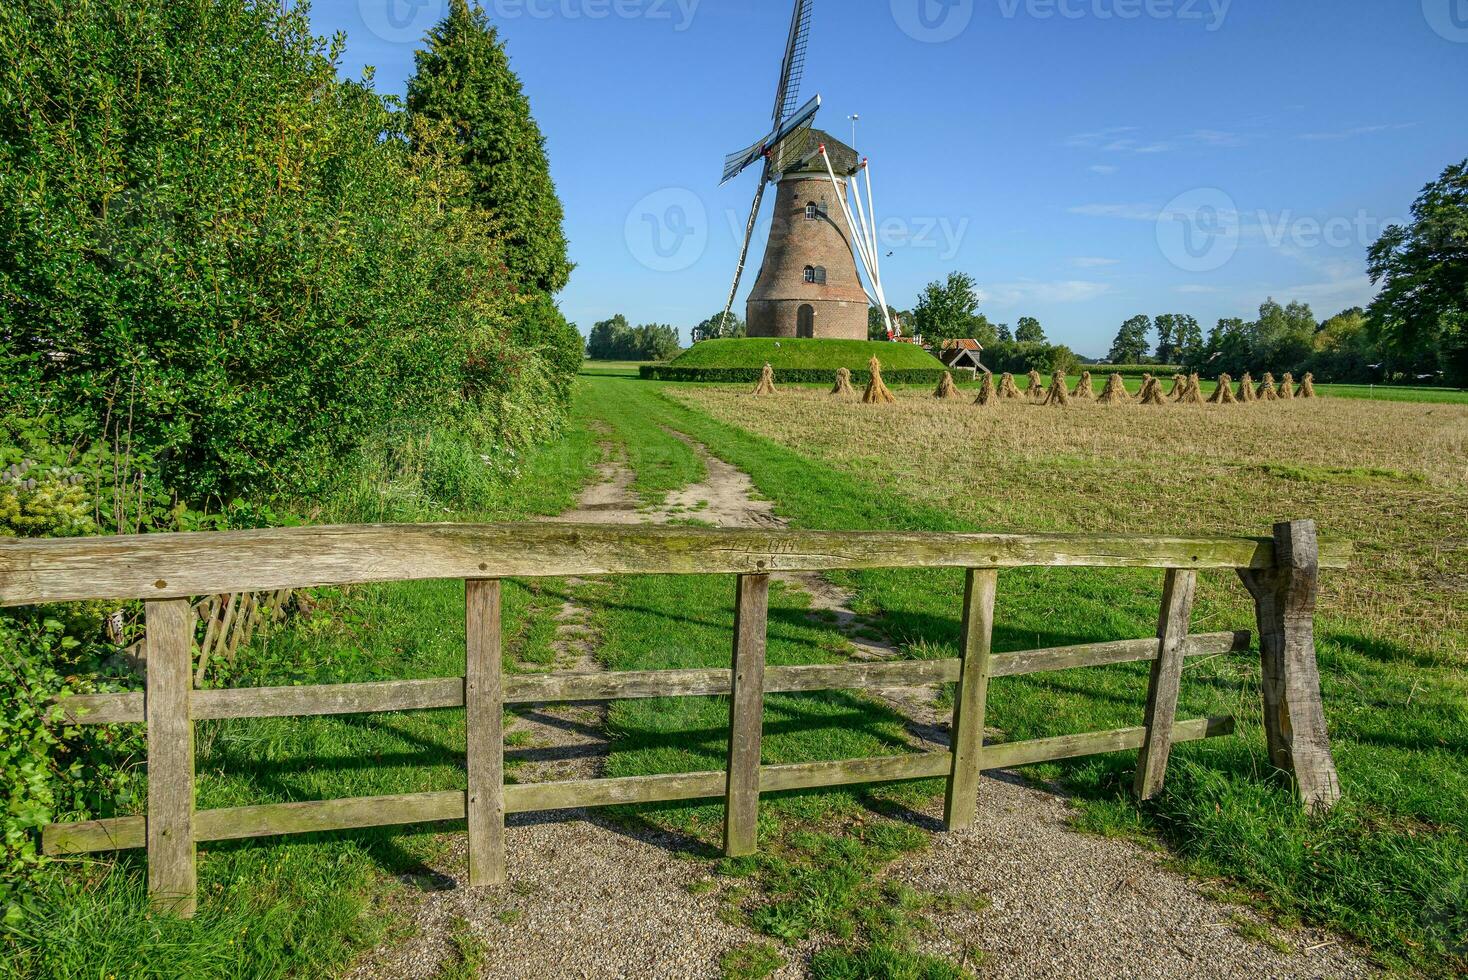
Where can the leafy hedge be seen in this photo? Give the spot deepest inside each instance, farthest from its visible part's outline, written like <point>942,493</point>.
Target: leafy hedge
<point>805,353</point>
<point>1133,370</point>
<point>219,258</point>
<point>671,372</point>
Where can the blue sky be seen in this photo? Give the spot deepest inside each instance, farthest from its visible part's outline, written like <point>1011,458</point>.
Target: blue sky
<point>1083,160</point>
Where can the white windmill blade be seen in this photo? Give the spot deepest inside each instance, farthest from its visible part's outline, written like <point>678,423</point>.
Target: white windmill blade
<point>737,163</point>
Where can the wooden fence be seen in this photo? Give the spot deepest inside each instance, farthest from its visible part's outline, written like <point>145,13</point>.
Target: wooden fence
<point>165,570</point>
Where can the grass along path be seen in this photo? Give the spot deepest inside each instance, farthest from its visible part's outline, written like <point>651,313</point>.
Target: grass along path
<point>1390,866</point>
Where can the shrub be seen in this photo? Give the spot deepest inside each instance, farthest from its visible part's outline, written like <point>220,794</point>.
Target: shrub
<point>669,372</point>
<point>219,256</point>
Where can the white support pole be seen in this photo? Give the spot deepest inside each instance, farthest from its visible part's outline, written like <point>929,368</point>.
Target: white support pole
<point>861,245</point>
<point>874,266</point>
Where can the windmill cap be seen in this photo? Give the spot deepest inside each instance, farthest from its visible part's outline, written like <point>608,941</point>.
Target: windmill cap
<point>844,160</point>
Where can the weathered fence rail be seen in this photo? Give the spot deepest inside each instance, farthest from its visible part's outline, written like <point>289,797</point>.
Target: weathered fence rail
<point>1281,572</point>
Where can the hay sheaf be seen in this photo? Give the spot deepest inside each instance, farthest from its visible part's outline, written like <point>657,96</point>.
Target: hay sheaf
<point>1307,386</point>
<point>1057,395</point>
<point>1036,389</point>
<point>1179,387</point>
<point>1115,392</point>
<point>1192,391</point>
<point>1152,392</point>
<point>876,393</point>
<point>1085,388</point>
<point>946,388</point>
<point>843,382</point>
<point>766,384</point>
<point>1246,389</point>
<point>1224,393</point>
<point>1268,391</point>
<point>1287,387</point>
<point>1008,389</point>
<point>988,394</point>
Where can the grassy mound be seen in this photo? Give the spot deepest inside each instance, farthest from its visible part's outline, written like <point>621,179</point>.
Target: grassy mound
<point>796,361</point>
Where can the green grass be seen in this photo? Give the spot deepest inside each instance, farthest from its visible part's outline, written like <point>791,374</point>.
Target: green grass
<point>754,352</point>
<point>1389,866</point>
<point>610,369</point>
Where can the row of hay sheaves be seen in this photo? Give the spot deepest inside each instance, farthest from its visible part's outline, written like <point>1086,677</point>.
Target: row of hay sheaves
<point>1186,389</point>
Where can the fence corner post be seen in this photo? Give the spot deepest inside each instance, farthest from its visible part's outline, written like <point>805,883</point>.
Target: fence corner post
<point>961,802</point>
<point>172,854</point>
<point>484,720</point>
<point>1294,715</point>
<point>1179,589</point>
<point>746,715</point>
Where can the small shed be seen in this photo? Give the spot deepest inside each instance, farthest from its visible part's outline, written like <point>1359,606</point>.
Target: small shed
<point>962,355</point>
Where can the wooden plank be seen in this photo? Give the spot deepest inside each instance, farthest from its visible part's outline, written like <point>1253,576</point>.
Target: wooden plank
<point>154,566</point>
<point>384,811</point>
<point>1167,673</point>
<point>1010,754</point>
<point>485,721</point>
<point>961,799</point>
<point>448,692</point>
<point>746,715</point>
<point>172,876</point>
<point>1112,652</point>
<point>1294,715</point>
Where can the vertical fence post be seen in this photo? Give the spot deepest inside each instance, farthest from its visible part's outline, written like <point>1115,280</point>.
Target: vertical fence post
<point>1294,717</point>
<point>746,715</point>
<point>484,719</point>
<point>1167,671</point>
<point>172,877</point>
<point>961,803</point>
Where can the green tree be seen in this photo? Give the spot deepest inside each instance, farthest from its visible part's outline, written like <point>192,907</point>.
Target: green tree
<point>1343,348</point>
<point>1029,331</point>
<point>464,78</point>
<point>1005,335</point>
<point>1131,344</point>
<point>655,342</point>
<point>717,327</point>
<point>949,310</point>
<point>610,340</point>
<point>1284,336</point>
<point>1230,347</point>
<point>1419,320</point>
<point>1187,340</point>
<point>877,325</point>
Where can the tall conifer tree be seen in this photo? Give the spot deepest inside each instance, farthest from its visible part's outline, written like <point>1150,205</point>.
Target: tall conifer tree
<point>464,78</point>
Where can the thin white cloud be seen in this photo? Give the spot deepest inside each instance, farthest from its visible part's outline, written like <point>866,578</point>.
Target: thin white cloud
<point>1126,139</point>
<point>1093,262</point>
<point>1351,133</point>
<point>1128,212</point>
<point>1104,169</point>
<point>1029,291</point>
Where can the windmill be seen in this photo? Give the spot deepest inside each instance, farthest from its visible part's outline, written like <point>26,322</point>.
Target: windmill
<point>808,285</point>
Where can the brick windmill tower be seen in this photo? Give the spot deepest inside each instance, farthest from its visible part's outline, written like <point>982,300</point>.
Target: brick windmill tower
<point>808,283</point>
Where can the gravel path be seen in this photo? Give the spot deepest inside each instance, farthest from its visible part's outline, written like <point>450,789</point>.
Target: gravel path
<point>589,899</point>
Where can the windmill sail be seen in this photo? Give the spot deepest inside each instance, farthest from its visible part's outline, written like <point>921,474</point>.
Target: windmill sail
<point>791,130</point>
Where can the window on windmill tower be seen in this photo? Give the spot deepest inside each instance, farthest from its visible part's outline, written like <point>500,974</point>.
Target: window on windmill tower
<point>815,211</point>
<point>815,274</point>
